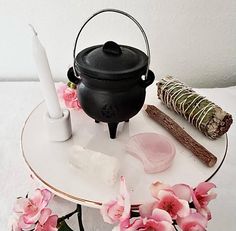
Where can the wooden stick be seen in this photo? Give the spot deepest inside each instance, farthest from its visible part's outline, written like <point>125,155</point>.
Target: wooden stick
<point>181,135</point>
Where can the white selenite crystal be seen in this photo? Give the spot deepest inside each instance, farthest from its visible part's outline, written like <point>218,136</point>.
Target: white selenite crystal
<point>96,164</point>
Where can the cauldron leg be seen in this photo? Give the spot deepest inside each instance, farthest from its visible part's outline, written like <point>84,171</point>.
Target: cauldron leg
<point>112,130</point>
<point>96,121</point>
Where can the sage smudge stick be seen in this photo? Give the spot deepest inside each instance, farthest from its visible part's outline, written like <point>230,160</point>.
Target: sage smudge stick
<point>205,115</point>
<point>181,135</point>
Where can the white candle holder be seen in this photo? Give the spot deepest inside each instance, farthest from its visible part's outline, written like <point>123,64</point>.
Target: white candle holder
<point>58,129</point>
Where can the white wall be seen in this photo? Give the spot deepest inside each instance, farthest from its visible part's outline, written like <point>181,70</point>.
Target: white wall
<point>194,40</point>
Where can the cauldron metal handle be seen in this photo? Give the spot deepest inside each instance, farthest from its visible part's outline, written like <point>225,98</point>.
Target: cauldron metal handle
<point>119,12</point>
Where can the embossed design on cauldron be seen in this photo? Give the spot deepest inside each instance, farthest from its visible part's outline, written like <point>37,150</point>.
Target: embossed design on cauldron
<point>111,87</point>
<point>108,111</point>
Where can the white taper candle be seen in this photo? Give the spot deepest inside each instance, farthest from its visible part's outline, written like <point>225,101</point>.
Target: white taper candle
<point>45,77</point>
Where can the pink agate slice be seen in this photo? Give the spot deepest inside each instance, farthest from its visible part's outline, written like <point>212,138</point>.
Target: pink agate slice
<point>154,150</point>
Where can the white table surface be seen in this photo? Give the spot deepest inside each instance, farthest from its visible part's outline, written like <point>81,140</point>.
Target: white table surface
<point>17,100</point>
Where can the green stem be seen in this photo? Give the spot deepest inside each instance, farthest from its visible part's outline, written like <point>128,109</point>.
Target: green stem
<point>79,216</point>
<point>191,205</point>
<point>134,213</point>
<point>175,227</point>
<point>67,216</point>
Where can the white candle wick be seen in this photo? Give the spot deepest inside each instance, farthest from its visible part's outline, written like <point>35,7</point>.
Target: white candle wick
<point>32,28</point>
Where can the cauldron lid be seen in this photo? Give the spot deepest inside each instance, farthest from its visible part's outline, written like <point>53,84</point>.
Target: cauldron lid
<point>111,61</point>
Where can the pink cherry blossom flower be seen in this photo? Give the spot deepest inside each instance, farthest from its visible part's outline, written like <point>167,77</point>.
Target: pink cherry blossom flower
<point>182,191</point>
<point>194,221</point>
<point>202,196</point>
<point>47,222</point>
<point>118,210</point>
<point>172,204</point>
<point>173,199</point>
<point>159,220</point>
<point>28,209</point>
<point>68,95</point>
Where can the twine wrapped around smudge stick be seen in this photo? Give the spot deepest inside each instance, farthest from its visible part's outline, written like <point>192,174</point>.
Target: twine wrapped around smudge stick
<point>205,115</point>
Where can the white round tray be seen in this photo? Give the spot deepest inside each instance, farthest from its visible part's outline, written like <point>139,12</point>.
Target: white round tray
<point>49,161</point>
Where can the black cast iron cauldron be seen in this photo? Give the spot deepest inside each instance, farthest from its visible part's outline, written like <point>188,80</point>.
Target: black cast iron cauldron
<point>111,87</point>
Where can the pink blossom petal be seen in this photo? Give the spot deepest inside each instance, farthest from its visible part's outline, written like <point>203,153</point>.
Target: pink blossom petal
<point>31,218</point>
<point>195,201</point>
<point>68,104</point>
<point>116,211</point>
<point>145,210</point>
<point>37,197</point>
<point>75,104</point>
<point>193,227</point>
<point>185,210</point>
<point>15,227</point>
<point>136,225</point>
<point>13,222</point>
<point>23,225</point>
<point>51,223</point>
<point>105,211</point>
<point>151,224</point>
<point>182,191</point>
<point>45,213</point>
<point>47,195</point>
<point>163,193</point>
<point>126,200</point>
<point>166,226</point>
<point>117,228</point>
<point>61,87</point>
<point>211,196</point>
<point>194,221</point>
<point>31,214</point>
<point>53,220</point>
<point>123,189</point>
<point>161,215</point>
<point>156,187</point>
<point>69,94</point>
<point>20,205</point>
<point>204,187</point>
<point>72,104</point>
<point>205,212</point>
